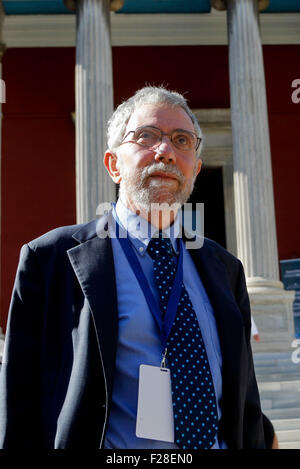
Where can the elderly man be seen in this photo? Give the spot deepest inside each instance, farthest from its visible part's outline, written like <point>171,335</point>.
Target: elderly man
<point>118,335</point>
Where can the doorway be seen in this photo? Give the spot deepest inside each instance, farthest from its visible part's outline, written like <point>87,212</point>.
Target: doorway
<point>209,190</point>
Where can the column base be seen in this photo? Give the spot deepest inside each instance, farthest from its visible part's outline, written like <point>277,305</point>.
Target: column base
<point>272,310</point>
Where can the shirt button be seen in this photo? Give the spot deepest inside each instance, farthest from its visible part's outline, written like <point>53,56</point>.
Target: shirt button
<point>141,249</point>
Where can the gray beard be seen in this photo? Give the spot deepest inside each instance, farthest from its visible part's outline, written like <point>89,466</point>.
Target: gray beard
<point>143,191</point>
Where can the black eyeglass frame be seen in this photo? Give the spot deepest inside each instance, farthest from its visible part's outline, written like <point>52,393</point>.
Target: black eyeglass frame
<point>162,134</point>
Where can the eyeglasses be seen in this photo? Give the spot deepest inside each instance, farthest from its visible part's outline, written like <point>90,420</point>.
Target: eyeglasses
<point>149,137</point>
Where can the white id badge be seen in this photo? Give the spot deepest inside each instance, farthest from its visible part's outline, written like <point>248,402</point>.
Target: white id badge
<point>155,409</point>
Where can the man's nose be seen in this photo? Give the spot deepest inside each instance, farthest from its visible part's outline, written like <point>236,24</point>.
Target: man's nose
<point>164,152</point>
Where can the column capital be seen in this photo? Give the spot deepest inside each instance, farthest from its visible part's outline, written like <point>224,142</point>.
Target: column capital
<point>221,5</point>
<point>115,5</point>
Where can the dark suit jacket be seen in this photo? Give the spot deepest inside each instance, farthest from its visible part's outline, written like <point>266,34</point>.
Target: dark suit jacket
<point>59,360</point>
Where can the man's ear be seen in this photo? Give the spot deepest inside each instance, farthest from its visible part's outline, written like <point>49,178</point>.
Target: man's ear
<point>110,161</point>
<point>198,167</point>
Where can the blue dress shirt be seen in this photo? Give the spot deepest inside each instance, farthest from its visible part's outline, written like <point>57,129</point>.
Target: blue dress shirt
<point>139,340</point>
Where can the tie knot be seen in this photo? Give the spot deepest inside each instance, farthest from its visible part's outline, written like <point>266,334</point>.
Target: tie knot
<point>160,247</point>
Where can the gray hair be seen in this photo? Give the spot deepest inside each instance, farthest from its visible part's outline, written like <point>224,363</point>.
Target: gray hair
<point>148,95</point>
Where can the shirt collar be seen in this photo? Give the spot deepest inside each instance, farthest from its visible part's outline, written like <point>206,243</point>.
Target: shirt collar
<point>140,230</point>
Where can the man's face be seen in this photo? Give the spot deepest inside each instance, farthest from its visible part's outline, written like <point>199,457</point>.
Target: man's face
<point>163,174</point>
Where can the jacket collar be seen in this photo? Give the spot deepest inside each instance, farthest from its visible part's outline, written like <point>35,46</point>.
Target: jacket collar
<point>95,227</point>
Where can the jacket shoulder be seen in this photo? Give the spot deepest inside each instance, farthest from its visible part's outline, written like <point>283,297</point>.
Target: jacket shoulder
<point>225,256</point>
<point>60,237</point>
<point>233,266</point>
<point>47,254</point>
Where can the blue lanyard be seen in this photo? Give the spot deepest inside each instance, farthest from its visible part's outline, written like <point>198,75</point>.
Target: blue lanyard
<point>166,325</point>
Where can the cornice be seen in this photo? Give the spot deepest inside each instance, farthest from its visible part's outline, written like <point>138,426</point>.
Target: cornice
<point>222,4</point>
<point>148,29</point>
<point>115,5</point>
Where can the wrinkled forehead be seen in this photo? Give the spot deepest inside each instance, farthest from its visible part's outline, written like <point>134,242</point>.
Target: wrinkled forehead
<point>164,117</point>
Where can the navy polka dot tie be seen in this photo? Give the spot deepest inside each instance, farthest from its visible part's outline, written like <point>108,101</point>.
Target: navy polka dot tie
<point>193,395</point>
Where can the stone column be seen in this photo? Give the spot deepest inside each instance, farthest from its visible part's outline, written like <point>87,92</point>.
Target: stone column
<point>94,104</point>
<point>253,185</point>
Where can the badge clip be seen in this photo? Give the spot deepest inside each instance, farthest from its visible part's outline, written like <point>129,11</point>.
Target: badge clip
<point>163,360</point>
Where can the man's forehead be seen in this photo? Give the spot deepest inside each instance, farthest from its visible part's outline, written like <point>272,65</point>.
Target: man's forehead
<point>160,115</point>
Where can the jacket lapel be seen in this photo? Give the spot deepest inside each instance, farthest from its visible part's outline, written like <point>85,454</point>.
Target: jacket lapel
<point>93,264</point>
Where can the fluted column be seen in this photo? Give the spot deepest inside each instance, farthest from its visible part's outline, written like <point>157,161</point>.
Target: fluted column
<point>94,106</point>
<point>256,233</point>
<point>253,184</point>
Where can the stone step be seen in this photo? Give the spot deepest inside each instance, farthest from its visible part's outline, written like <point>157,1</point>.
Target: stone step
<point>282,368</point>
<point>288,435</point>
<point>286,424</point>
<point>289,445</point>
<point>269,362</point>
<point>279,386</point>
<point>278,396</point>
<point>278,381</point>
<point>272,356</point>
<point>276,377</point>
<point>275,395</point>
<point>273,403</point>
<point>266,378</point>
<point>275,363</point>
<point>282,413</point>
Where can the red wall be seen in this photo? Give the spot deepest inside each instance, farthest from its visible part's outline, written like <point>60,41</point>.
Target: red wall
<point>38,147</point>
<point>282,66</point>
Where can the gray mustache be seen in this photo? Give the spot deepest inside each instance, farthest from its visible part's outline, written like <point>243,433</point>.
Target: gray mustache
<point>165,168</point>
